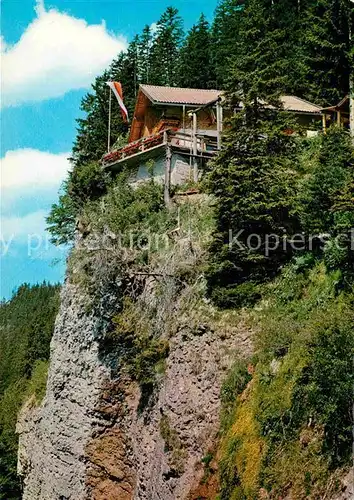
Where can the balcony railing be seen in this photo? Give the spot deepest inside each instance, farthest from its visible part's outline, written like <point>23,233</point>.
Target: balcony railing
<point>133,148</point>
<point>176,138</point>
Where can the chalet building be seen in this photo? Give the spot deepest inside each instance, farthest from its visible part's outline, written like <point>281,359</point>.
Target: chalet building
<point>174,131</point>
<point>337,114</point>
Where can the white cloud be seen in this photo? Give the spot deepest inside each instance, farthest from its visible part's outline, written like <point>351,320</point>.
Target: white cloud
<point>32,169</point>
<point>22,228</point>
<point>56,53</point>
<point>28,234</point>
<point>30,180</point>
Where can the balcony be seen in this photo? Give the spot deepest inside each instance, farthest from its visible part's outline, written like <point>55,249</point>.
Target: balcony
<point>202,144</point>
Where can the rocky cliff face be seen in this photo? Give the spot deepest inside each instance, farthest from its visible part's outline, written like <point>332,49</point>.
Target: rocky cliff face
<point>159,450</point>
<point>53,438</point>
<point>94,437</point>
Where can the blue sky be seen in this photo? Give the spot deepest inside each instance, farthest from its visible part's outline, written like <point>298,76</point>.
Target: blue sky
<point>50,53</point>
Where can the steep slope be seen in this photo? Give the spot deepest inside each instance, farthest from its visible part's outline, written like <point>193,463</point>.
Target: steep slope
<point>53,437</point>
<point>119,420</point>
<point>26,327</point>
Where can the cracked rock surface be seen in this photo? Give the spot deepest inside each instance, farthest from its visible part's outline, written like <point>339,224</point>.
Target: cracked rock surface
<point>52,458</point>
<point>91,439</point>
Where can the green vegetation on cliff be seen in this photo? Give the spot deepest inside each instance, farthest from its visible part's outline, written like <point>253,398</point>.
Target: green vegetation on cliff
<point>286,416</point>
<point>289,430</point>
<point>27,323</point>
<point>286,428</point>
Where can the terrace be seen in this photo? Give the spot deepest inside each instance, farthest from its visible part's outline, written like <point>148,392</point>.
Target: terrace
<point>202,144</point>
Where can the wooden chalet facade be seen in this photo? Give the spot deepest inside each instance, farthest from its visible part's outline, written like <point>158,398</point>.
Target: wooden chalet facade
<point>339,114</point>
<point>176,130</point>
<point>158,108</point>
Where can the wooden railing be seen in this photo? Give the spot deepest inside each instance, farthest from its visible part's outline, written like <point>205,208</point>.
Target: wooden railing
<point>185,139</point>
<point>173,137</point>
<point>133,148</point>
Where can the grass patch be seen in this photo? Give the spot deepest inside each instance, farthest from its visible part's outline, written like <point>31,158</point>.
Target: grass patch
<point>241,454</point>
<point>289,431</point>
<point>37,384</point>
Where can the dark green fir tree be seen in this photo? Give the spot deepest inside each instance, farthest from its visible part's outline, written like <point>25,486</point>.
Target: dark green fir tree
<point>225,37</point>
<point>326,46</point>
<point>166,47</point>
<point>252,178</point>
<point>91,138</point>
<point>144,47</point>
<point>196,67</point>
<point>127,73</point>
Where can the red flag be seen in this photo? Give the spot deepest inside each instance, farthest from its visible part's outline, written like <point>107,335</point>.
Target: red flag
<point>116,87</point>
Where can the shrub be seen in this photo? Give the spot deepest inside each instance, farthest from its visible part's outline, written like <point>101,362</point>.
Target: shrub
<point>87,182</point>
<point>129,213</point>
<point>330,169</point>
<point>38,382</point>
<point>243,295</point>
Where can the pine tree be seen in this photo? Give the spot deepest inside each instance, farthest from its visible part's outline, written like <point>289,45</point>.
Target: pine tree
<point>196,67</point>
<point>145,45</point>
<point>252,176</point>
<point>332,166</point>
<point>325,41</point>
<point>166,47</point>
<point>268,55</point>
<point>128,74</point>
<point>91,139</point>
<point>225,37</point>
<point>326,199</point>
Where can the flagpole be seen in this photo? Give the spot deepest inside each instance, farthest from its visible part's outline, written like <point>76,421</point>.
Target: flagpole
<point>109,120</point>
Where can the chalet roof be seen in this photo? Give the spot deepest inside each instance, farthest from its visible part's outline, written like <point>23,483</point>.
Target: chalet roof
<point>177,95</point>
<point>196,98</point>
<point>343,105</point>
<point>293,103</point>
<point>200,97</point>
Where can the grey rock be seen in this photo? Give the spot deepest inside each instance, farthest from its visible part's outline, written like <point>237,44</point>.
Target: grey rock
<point>52,438</point>
<point>88,439</point>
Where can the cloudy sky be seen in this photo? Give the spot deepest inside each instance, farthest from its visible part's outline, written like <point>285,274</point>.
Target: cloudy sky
<point>50,53</point>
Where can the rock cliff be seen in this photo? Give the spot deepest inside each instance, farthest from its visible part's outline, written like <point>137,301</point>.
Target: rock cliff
<point>53,437</point>
<point>98,434</point>
<point>91,439</point>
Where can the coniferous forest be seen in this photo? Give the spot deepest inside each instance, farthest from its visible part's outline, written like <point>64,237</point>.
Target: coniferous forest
<point>27,323</point>
<point>286,423</point>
